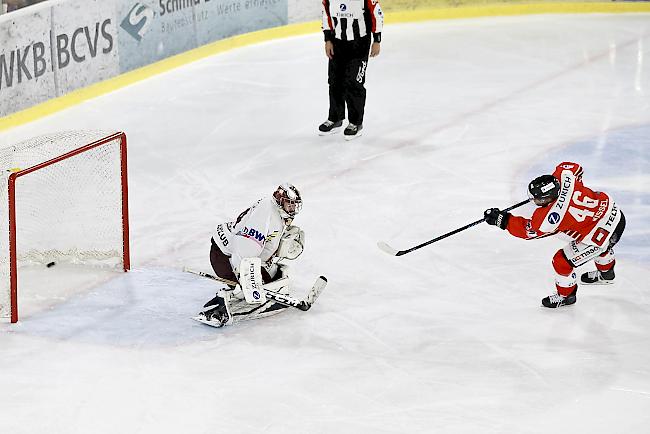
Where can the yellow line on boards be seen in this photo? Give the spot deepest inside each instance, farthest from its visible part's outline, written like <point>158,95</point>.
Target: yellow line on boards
<point>514,9</point>
<point>78,96</point>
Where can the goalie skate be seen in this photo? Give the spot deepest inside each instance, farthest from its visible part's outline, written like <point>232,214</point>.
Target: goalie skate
<point>217,311</point>
<point>211,321</point>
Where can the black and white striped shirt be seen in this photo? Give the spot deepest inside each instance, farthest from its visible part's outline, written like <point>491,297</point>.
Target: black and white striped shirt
<point>352,19</point>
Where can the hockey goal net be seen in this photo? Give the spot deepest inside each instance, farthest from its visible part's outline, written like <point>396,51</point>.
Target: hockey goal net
<point>63,198</point>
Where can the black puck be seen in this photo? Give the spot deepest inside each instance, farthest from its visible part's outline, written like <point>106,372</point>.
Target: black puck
<point>51,264</point>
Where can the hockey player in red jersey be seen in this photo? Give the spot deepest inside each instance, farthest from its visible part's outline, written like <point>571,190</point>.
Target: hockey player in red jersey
<point>567,206</point>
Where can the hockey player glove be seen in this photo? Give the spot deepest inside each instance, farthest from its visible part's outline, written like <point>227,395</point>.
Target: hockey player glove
<point>495,217</point>
<point>292,243</point>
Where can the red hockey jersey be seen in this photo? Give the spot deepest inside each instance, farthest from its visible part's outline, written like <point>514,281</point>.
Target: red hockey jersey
<point>583,214</point>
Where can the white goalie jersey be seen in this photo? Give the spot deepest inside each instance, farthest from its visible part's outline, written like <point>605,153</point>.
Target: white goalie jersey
<point>256,243</point>
<point>259,232</point>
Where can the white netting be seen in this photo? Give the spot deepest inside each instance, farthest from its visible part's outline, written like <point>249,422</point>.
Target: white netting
<point>70,211</point>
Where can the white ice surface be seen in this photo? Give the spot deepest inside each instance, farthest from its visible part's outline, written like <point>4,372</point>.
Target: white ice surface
<point>448,339</point>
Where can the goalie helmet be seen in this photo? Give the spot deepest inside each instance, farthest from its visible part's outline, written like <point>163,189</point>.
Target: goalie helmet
<point>544,189</point>
<point>288,199</point>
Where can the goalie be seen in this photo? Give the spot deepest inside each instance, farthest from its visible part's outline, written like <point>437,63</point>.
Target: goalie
<point>249,252</point>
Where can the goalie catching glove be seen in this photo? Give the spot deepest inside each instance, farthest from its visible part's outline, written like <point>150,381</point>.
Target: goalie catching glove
<point>292,243</point>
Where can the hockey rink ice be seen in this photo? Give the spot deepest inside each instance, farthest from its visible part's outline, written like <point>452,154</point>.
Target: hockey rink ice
<point>448,339</point>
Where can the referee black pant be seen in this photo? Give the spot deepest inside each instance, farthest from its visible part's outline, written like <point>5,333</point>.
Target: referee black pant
<point>346,79</point>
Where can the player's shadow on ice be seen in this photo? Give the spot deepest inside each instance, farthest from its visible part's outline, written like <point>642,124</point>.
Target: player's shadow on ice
<point>141,308</point>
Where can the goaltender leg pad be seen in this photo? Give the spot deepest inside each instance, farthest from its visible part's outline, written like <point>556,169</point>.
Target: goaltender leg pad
<point>281,285</point>
<point>242,311</point>
<point>251,280</point>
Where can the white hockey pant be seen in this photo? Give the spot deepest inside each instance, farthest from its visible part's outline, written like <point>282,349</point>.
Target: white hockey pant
<point>574,255</point>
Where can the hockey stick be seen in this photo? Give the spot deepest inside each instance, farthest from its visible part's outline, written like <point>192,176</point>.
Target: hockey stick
<point>286,300</point>
<point>394,252</point>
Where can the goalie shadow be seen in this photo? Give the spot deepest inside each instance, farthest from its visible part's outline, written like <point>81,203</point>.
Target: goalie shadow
<point>149,307</point>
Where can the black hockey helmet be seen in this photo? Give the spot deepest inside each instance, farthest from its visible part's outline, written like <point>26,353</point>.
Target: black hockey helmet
<point>544,189</point>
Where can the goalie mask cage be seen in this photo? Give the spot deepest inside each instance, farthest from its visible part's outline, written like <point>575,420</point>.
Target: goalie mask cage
<point>63,198</point>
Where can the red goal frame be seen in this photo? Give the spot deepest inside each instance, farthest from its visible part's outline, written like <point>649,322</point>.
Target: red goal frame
<point>13,177</point>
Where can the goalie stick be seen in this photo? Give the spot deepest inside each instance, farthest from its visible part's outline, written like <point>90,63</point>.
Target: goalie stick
<point>394,252</point>
<point>286,300</point>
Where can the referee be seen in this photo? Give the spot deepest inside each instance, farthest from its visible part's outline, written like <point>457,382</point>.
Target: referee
<point>348,25</point>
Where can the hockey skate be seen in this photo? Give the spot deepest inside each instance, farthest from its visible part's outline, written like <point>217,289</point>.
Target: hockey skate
<point>216,312</point>
<point>352,131</point>
<point>328,127</point>
<point>597,277</point>
<point>557,300</point>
